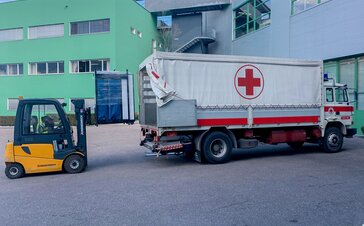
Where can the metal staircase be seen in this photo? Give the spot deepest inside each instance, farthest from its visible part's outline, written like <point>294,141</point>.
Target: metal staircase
<point>204,40</point>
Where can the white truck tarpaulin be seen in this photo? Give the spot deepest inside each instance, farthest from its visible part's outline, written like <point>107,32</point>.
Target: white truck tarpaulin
<point>215,80</point>
<point>159,86</point>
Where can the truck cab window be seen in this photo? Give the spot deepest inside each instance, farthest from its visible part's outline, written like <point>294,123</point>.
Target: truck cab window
<point>341,95</point>
<point>42,119</point>
<point>329,95</point>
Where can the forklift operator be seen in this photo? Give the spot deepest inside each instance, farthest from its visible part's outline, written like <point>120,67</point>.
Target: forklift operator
<point>48,124</point>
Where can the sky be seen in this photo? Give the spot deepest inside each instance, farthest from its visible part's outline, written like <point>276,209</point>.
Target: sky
<point>1,1</point>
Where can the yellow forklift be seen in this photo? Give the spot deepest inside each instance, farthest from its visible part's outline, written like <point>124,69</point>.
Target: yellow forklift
<point>43,139</point>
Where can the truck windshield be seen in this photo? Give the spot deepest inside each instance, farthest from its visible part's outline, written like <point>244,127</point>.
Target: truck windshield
<point>341,95</point>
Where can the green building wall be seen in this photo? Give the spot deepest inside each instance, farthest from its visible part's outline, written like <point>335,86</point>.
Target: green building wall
<point>354,71</point>
<point>124,49</point>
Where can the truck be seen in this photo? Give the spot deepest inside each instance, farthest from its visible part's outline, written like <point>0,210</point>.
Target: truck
<point>207,105</point>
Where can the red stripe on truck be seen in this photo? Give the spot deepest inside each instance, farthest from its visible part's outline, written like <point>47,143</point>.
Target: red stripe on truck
<point>244,121</point>
<point>155,75</point>
<point>222,121</point>
<point>338,108</point>
<point>291,119</point>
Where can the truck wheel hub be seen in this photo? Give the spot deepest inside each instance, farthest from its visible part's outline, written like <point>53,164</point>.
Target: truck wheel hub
<point>218,148</point>
<point>333,140</point>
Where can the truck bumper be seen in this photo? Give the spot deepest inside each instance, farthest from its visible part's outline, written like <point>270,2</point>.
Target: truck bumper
<point>350,132</point>
<point>166,147</point>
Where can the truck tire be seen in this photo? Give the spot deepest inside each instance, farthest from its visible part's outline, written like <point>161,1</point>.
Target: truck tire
<point>217,148</point>
<point>332,141</point>
<point>14,171</point>
<point>295,145</point>
<point>74,164</point>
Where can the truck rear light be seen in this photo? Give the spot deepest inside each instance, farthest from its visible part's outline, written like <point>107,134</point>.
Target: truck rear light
<point>171,134</point>
<point>172,147</point>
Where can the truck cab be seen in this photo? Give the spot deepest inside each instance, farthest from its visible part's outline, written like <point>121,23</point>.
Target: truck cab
<point>338,114</point>
<point>338,108</point>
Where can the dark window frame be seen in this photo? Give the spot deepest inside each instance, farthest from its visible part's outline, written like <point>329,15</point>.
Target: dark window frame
<point>331,93</point>
<point>245,22</point>
<point>19,69</point>
<point>28,112</point>
<point>105,27</point>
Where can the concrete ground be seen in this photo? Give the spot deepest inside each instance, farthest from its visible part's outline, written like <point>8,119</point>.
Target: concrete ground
<point>271,185</point>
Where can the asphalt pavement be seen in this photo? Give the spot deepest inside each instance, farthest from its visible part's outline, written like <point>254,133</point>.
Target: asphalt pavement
<point>270,185</point>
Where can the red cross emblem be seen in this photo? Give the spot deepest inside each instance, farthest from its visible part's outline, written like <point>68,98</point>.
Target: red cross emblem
<point>249,82</point>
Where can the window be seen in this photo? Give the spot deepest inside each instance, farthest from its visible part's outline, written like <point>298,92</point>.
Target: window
<point>329,95</point>
<point>11,69</point>
<point>81,66</point>
<point>47,31</point>
<point>11,34</point>
<point>90,27</point>
<point>13,104</point>
<point>43,68</point>
<point>301,5</point>
<point>350,71</point>
<point>330,68</point>
<point>164,22</point>
<point>97,26</point>
<point>341,95</point>
<point>347,76</point>
<point>42,119</point>
<point>251,16</point>
<point>89,103</point>
<point>360,84</point>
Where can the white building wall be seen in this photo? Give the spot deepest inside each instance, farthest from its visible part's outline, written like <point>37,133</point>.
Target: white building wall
<point>329,30</point>
<point>332,29</point>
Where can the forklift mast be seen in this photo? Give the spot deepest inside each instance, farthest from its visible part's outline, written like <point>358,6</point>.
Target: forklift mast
<point>80,114</point>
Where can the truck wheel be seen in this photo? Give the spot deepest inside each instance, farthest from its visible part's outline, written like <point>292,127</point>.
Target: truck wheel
<point>14,171</point>
<point>217,148</point>
<point>74,164</point>
<point>333,140</point>
<point>295,145</point>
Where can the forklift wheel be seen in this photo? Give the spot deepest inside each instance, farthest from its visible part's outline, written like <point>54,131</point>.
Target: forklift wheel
<point>74,164</point>
<point>14,171</point>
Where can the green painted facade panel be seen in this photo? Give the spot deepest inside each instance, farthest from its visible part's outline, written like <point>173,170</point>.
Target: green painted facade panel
<point>124,49</point>
<point>332,67</point>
